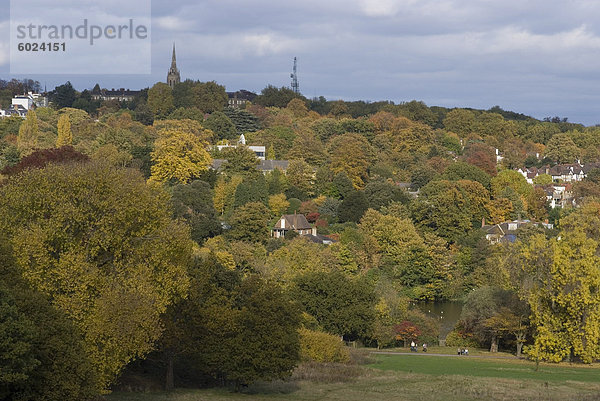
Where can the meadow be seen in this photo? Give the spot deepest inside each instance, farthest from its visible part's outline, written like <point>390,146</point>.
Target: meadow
<point>410,377</point>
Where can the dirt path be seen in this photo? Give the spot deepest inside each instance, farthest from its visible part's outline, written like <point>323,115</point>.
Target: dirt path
<point>448,355</point>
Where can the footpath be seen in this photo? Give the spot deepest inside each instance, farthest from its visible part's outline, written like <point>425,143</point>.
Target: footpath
<point>448,355</point>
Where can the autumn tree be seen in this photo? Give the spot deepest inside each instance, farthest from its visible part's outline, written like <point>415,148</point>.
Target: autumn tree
<point>27,140</point>
<point>101,245</point>
<point>41,158</point>
<point>563,289</point>
<point>460,121</point>
<point>178,157</point>
<point>65,137</point>
<point>351,153</point>
<point>561,149</point>
<point>278,204</point>
<point>406,332</point>
<point>299,174</point>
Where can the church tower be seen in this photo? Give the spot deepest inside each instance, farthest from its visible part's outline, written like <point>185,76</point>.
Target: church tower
<point>173,76</point>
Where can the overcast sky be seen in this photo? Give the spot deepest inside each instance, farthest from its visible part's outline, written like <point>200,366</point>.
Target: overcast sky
<point>536,57</point>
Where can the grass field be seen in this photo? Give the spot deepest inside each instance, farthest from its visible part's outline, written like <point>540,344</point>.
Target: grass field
<point>411,377</point>
<point>481,367</point>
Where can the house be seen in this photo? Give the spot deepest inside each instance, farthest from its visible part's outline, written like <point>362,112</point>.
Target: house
<point>508,230</point>
<point>26,101</point>
<point>239,99</point>
<point>14,111</point>
<point>567,172</point>
<point>559,195</point>
<point>293,222</point>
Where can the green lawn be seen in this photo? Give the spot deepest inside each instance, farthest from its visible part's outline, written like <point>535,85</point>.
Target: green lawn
<point>480,367</point>
<point>407,378</point>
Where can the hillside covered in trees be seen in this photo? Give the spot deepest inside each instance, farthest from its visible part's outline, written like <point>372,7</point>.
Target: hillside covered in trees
<point>123,243</point>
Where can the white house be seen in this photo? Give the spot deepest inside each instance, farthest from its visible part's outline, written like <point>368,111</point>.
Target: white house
<point>26,101</point>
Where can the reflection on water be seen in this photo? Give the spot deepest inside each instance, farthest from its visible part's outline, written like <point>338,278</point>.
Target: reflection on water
<point>447,313</point>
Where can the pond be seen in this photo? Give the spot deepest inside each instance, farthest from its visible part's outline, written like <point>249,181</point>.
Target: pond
<point>447,313</point>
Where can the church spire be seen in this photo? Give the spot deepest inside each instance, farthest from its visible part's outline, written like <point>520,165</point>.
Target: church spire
<point>173,76</point>
<point>174,59</point>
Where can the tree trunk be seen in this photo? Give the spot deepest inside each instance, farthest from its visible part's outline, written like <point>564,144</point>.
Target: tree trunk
<point>494,346</point>
<point>520,341</point>
<point>170,381</point>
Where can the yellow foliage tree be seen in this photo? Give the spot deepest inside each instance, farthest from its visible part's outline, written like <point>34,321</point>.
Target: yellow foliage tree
<point>116,259</point>
<point>224,197</point>
<point>179,157</point>
<point>27,140</point>
<point>352,154</point>
<point>278,204</point>
<point>65,137</point>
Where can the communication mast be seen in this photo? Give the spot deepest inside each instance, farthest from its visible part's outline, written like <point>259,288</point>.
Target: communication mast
<point>294,76</point>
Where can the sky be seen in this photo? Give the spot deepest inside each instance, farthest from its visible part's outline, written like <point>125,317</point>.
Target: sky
<point>541,58</point>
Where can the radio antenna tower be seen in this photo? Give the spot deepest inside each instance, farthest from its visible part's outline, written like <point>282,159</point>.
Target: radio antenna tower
<point>294,76</point>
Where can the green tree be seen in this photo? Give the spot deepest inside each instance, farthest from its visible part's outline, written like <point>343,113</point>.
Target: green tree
<point>233,330</point>
<point>450,208</point>
<point>253,189</point>
<point>272,96</point>
<point>244,121</point>
<point>249,223</point>
<point>101,244</point>
<point>382,193</point>
<point>209,96</point>
<point>42,357</point>
<point>353,207</point>
<point>194,203</point>
<point>341,305</point>
<point>160,100</point>
<point>240,160</point>
<point>465,171</point>
<point>63,96</point>
<point>221,125</point>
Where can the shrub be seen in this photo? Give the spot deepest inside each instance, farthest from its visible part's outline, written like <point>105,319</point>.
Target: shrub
<point>456,339</point>
<point>322,347</point>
